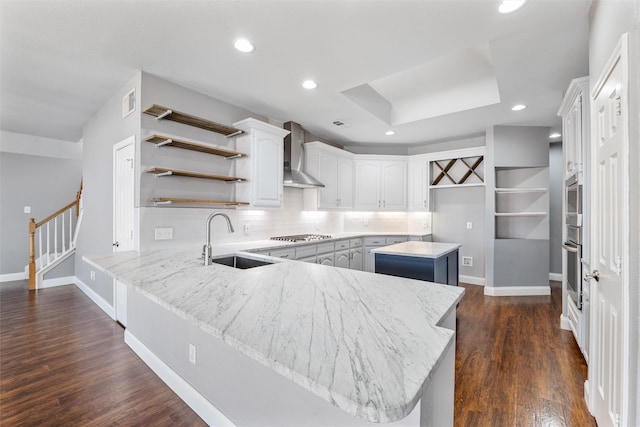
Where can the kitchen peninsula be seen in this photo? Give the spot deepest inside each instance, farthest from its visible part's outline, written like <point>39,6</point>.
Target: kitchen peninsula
<point>290,343</point>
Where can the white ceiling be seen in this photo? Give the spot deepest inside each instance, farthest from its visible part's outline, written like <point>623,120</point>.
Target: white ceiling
<point>62,60</point>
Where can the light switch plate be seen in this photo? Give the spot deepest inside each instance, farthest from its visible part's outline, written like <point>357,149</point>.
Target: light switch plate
<point>467,261</point>
<point>27,209</point>
<point>164,233</point>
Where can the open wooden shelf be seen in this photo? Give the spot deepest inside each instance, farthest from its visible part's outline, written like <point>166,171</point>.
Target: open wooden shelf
<point>165,141</point>
<point>160,172</point>
<point>164,113</point>
<point>172,200</point>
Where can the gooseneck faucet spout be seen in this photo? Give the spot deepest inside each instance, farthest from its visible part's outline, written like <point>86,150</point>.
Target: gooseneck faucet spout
<point>206,250</point>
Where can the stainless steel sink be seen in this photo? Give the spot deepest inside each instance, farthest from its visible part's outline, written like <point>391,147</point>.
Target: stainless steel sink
<point>237,261</point>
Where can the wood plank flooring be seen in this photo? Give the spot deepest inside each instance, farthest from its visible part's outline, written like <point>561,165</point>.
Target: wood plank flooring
<point>514,365</point>
<point>63,362</point>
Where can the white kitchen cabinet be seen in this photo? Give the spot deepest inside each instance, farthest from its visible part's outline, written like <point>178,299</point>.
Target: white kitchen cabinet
<point>356,259</point>
<point>381,183</point>
<point>263,165</point>
<point>574,110</point>
<point>418,185</point>
<point>342,259</point>
<point>334,168</point>
<point>325,259</point>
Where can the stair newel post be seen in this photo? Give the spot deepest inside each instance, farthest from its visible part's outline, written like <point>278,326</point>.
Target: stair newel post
<point>32,254</point>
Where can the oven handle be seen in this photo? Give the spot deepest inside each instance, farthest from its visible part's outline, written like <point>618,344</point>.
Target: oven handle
<point>570,248</point>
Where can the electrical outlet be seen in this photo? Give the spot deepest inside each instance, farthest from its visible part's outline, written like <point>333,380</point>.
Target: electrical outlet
<point>27,209</point>
<point>93,275</point>
<point>317,226</point>
<point>366,222</point>
<point>469,225</point>
<point>192,353</point>
<point>425,224</point>
<point>467,261</point>
<point>247,228</point>
<point>164,233</point>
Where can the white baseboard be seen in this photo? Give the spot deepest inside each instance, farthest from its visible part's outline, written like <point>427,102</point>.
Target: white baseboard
<point>472,280</point>
<point>555,276</point>
<point>58,281</point>
<point>515,291</point>
<point>564,323</point>
<point>11,277</point>
<point>97,299</point>
<point>201,406</point>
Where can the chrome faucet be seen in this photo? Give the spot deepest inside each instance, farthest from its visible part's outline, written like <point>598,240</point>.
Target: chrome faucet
<point>206,250</point>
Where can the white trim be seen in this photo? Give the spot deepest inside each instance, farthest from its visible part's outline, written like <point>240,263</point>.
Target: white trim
<point>564,323</point>
<point>514,291</point>
<point>11,277</point>
<point>472,280</point>
<point>201,406</point>
<point>57,281</point>
<point>555,276</point>
<point>97,299</point>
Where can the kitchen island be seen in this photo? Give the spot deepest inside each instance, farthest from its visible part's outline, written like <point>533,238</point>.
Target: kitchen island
<point>291,343</point>
<point>431,261</point>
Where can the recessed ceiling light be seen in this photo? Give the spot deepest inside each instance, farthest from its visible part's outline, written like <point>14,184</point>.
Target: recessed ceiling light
<point>309,84</point>
<point>555,135</point>
<point>508,6</point>
<point>244,45</point>
<point>389,133</point>
<point>518,107</point>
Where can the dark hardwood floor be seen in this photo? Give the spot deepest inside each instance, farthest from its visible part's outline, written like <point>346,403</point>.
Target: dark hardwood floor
<point>514,365</point>
<point>63,362</point>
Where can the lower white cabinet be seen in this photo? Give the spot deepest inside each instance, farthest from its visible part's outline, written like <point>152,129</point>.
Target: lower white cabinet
<point>325,259</point>
<point>342,259</point>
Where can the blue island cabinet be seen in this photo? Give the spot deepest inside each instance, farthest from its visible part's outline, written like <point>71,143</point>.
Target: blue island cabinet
<point>429,261</point>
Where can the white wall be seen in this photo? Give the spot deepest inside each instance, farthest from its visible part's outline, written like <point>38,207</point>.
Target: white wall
<point>556,186</point>
<point>608,20</point>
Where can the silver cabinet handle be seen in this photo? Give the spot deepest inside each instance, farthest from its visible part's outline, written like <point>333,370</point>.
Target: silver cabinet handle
<point>379,203</point>
<point>595,274</point>
<point>570,248</point>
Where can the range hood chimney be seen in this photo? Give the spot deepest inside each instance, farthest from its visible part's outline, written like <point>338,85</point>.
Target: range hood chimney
<point>294,176</point>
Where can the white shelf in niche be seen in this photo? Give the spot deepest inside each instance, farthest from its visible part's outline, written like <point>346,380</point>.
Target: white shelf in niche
<point>477,184</point>
<point>520,214</point>
<point>521,190</point>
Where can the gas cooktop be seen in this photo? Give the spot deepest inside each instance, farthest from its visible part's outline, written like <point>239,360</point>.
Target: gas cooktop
<point>302,237</point>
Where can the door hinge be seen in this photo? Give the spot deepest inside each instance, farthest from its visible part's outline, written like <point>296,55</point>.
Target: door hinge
<point>132,234</point>
<point>618,105</point>
<point>618,264</point>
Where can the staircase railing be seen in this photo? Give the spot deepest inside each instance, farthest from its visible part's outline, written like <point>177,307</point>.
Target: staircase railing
<point>56,238</point>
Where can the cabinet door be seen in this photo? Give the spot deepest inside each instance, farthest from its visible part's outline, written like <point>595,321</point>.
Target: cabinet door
<point>342,259</point>
<point>328,196</point>
<point>369,259</point>
<point>355,263</point>
<point>311,259</point>
<point>418,186</point>
<point>345,182</point>
<point>368,185</point>
<point>394,185</point>
<point>326,259</point>
<point>268,159</point>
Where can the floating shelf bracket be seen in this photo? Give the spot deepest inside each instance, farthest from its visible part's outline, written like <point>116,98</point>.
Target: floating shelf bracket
<point>237,156</point>
<point>163,115</point>
<point>234,134</point>
<point>167,173</point>
<point>161,202</point>
<point>165,142</point>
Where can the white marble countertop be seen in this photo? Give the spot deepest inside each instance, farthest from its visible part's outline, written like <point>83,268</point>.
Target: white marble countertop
<point>362,341</point>
<point>418,249</point>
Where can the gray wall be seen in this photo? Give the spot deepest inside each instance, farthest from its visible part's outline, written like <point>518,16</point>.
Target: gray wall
<point>608,20</point>
<point>452,209</point>
<point>556,186</point>
<point>44,183</point>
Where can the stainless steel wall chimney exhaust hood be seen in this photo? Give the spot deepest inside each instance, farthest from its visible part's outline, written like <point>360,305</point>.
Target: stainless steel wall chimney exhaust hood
<point>294,176</point>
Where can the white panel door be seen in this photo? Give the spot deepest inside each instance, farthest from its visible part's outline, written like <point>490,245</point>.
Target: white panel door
<point>394,185</point>
<point>123,215</point>
<point>609,206</point>
<point>418,187</point>
<point>345,182</point>
<point>368,185</point>
<point>268,163</point>
<point>329,177</point>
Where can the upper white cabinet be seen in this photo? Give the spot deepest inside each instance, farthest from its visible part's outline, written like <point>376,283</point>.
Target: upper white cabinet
<point>334,168</point>
<point>263,165</point>
<point>381,183</point>
<point>418,184</point>
<point>575,125</point>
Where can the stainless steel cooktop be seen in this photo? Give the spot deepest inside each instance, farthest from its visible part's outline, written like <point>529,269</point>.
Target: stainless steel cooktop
<point>302,237</point>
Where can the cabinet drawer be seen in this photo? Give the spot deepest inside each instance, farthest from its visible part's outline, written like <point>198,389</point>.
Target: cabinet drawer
<point>375,241</point>
<point>355,243</point>
<point>305,251</point>
<point>342,244</point>
<point>288,253</point>
<point>394,240</point>
<point>324,248</point>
